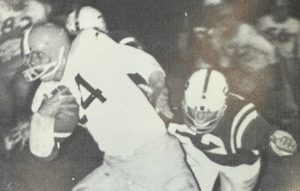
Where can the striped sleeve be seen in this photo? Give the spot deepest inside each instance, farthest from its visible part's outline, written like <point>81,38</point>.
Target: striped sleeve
<point>249,130</point>
<point>257,134</point>
<point>239,125</point>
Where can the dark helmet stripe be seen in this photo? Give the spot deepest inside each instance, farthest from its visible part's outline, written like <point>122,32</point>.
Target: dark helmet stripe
<point>208,73</point>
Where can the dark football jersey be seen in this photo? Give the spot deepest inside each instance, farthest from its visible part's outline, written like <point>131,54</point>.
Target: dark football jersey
<point>238,137</point>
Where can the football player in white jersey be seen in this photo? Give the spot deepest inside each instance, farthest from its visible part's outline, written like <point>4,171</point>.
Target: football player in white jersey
<point>223,134</point>
<point>139,154</point>
<point>16,16</point>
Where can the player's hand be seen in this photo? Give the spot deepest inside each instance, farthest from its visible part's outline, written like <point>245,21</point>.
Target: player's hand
<point>282,143</point>
<point>159,98</point>
<point>60,100</point>
<point>161,102</point>
<point>17,135</point>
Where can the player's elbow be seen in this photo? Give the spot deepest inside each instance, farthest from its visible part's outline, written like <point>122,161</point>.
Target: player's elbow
<point>40,150</point>
<point>44,154</point>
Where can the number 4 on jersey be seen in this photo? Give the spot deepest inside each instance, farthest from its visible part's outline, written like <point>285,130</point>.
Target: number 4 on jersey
<point>94,94</point>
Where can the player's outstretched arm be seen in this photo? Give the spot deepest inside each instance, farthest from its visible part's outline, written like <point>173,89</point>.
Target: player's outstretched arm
<point>53,122</point>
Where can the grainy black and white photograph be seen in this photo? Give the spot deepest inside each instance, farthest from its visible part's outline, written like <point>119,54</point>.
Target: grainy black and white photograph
<point>149,95</point>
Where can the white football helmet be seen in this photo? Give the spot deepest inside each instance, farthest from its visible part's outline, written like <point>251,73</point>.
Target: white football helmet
<point>85,17</point>
<point>204,100</point>
<point>45,47</point>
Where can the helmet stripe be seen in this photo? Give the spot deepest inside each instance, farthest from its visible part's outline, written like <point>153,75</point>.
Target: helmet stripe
<point>206,83</point>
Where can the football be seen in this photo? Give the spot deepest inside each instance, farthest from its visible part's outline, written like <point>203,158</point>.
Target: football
<point>66,120</point>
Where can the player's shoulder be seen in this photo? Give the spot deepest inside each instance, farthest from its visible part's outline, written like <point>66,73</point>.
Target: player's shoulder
<point>92,38</point>
<point>135,51</point>
<point>237,104</point>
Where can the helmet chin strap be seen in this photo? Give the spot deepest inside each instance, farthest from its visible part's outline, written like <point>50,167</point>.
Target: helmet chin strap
<point>60,61</point>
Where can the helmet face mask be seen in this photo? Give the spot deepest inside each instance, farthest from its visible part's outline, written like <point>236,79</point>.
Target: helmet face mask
<point>46,48</point>
<point>40,65</point>
<point>202,121</point>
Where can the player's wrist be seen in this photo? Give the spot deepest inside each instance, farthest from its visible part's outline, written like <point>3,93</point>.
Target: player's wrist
<point>48,110</point>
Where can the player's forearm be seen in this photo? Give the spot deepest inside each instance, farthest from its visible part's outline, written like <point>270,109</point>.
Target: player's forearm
<point>41,140</point>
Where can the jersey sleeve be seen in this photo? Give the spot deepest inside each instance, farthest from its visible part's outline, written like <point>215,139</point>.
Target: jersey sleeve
<point>254,132</point>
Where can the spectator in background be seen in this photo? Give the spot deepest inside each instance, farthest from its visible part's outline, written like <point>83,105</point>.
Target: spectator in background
<point>16,16</point>
<point>247,59</point>
<point>282,30</point>
<point>234,42</point>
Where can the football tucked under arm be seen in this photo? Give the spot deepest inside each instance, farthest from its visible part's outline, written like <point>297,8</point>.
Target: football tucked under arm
<point>282,143</point>
<point>53,123</point>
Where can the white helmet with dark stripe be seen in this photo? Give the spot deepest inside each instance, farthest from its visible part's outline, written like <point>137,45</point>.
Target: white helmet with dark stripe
<point>85,17</point>
<point>205,100</point>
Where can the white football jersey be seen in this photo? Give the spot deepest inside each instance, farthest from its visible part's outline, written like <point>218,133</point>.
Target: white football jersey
<point>13,23</point>
<point>283,34</point>
<point>115,111</point>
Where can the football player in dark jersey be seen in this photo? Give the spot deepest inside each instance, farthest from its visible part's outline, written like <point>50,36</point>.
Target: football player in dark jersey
<point>223,134</point>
